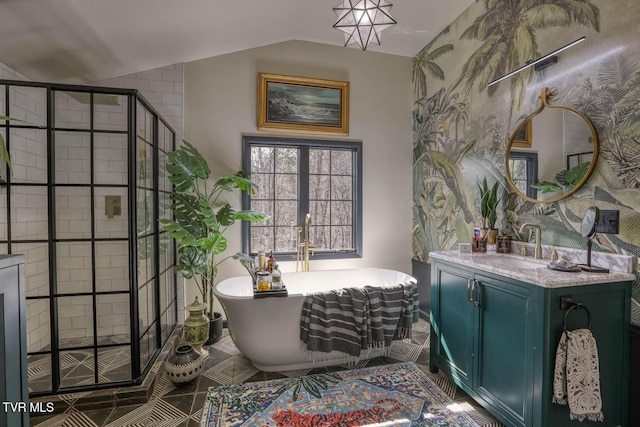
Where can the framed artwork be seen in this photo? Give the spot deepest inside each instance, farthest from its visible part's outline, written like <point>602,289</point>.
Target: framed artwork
<point>301,104</point>
<point>522,137</point>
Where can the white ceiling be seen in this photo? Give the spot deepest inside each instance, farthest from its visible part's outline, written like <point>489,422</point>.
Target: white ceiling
<point>81,41</point>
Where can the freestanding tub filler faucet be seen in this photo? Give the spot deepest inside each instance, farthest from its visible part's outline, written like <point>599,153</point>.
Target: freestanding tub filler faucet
<point>304,247</point>
<point>538,230</point>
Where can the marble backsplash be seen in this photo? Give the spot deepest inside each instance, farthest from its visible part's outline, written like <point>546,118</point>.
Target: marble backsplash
<point>617,262</point>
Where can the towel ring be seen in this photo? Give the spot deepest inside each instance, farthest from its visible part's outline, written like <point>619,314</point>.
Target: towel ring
<point>578,306</point>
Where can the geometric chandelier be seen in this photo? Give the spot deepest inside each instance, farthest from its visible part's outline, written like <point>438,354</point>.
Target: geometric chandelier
<point>362,21</point>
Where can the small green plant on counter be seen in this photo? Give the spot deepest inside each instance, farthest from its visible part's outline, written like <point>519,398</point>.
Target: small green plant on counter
<point>566,179</point>
<point>489,204</point>
<point>201,218</point>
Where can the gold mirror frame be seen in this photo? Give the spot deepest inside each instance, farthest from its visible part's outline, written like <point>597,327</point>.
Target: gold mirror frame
<point>514,142</point>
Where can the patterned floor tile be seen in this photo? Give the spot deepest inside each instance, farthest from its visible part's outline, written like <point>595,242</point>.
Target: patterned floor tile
<point>136,416</point>
<point>120,412</point>
<point>172,406</point>
<point>183,402</point>
<point>421,326</point>
<point>404,351</point>
<point>40,420</point>
<point>419,338</point>
<point>216,356</point>
<point>447,385</point>
<point>205,383</point>
<point>357,365</point>
<point>296,373</point>
<point>264,376</point>
<point>189,388</point>
<point>198,404</point>
<point>162,387</point>
<point>226,344</point>
<point>98,416</point>
<point>234,370</point>
<point>166,415</point>
<point>72,419</point>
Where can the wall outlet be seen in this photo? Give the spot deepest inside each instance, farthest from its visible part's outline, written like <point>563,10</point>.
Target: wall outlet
<point>464,248</point>
<point>609,222</point>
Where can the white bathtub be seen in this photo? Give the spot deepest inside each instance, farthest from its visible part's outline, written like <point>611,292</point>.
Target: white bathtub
<point>267,330</point>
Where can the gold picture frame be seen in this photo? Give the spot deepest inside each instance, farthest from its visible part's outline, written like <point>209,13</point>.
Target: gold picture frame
<point>522,137</point>
<point>302,104</point>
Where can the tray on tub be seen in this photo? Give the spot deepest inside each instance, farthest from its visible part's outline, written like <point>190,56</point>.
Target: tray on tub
<point>271,293</point>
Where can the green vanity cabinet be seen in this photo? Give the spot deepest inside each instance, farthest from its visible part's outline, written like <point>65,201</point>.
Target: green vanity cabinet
<point>496,337</point>
<point>481,328</point>
<point>454,325</point>
<point>13,343</point>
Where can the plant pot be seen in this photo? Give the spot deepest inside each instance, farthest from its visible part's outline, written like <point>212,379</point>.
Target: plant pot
<point>215,329</point>
<point>196,326</point>
<point>183,365</point>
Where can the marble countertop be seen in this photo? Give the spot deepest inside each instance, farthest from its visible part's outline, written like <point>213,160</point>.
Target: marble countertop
<point>530,270</point>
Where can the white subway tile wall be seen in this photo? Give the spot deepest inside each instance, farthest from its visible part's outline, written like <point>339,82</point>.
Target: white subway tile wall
<point>78,312</point>
<point>8,73</point>
<point>72,110</point>
<point>28,155</point>
<point>111,159</point>
<point>163,88</point>
<point>112,266</point>
<point>73,157</point>
<point>29,213</point>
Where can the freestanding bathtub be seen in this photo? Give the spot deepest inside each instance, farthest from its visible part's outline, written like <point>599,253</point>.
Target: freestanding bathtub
<point>267,330</point>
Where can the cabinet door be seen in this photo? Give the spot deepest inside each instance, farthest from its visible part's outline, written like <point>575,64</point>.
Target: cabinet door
<point>452,323</point>
<point>506,347</point>
<point>13,355</point>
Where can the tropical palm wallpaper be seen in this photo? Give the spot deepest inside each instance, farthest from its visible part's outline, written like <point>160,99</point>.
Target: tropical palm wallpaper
<point>461,127</point>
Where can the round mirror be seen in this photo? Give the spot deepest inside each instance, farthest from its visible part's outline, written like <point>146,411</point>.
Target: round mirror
<point>552,153</point>
<point>590,222</point>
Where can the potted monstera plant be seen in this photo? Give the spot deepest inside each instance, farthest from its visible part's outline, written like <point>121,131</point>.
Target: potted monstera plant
<point>201,218</point>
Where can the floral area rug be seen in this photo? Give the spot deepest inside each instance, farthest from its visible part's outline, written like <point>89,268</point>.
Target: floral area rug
<point>399,395</point>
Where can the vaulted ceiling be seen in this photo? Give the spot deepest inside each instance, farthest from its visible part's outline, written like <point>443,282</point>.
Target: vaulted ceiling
<point>82,41</point>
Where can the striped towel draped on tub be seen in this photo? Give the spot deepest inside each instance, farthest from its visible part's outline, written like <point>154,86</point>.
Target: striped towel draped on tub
<point>353,320</point>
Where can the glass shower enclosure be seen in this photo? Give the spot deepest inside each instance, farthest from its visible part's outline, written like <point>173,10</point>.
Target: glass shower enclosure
<point>82,202</point>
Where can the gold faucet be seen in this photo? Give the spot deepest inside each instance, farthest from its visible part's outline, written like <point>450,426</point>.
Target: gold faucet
<point>304,247</point>
<point>538,230</point>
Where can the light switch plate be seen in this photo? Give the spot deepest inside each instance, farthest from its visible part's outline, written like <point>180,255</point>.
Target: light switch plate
<point>609,222</point>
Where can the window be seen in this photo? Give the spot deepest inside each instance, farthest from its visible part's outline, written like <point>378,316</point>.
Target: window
<point>524,172</point>
<point>299,176</point>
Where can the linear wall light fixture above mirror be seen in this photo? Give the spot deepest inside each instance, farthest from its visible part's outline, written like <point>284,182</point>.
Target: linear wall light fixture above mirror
<point>540,63</point>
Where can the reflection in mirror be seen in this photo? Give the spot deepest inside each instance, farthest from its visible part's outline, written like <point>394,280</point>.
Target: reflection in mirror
<point>551,153</point>
<point>524,171</point>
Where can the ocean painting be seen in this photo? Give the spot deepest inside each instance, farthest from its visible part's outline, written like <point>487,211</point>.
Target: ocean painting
<point>298,104</point>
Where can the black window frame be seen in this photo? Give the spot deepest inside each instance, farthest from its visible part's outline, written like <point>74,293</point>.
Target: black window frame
<point>532,170</point>
<point>249,141</point>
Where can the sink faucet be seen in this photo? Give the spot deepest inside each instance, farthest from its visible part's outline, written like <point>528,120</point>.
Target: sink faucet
<point>538,230</point>
<point>304,247</point>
